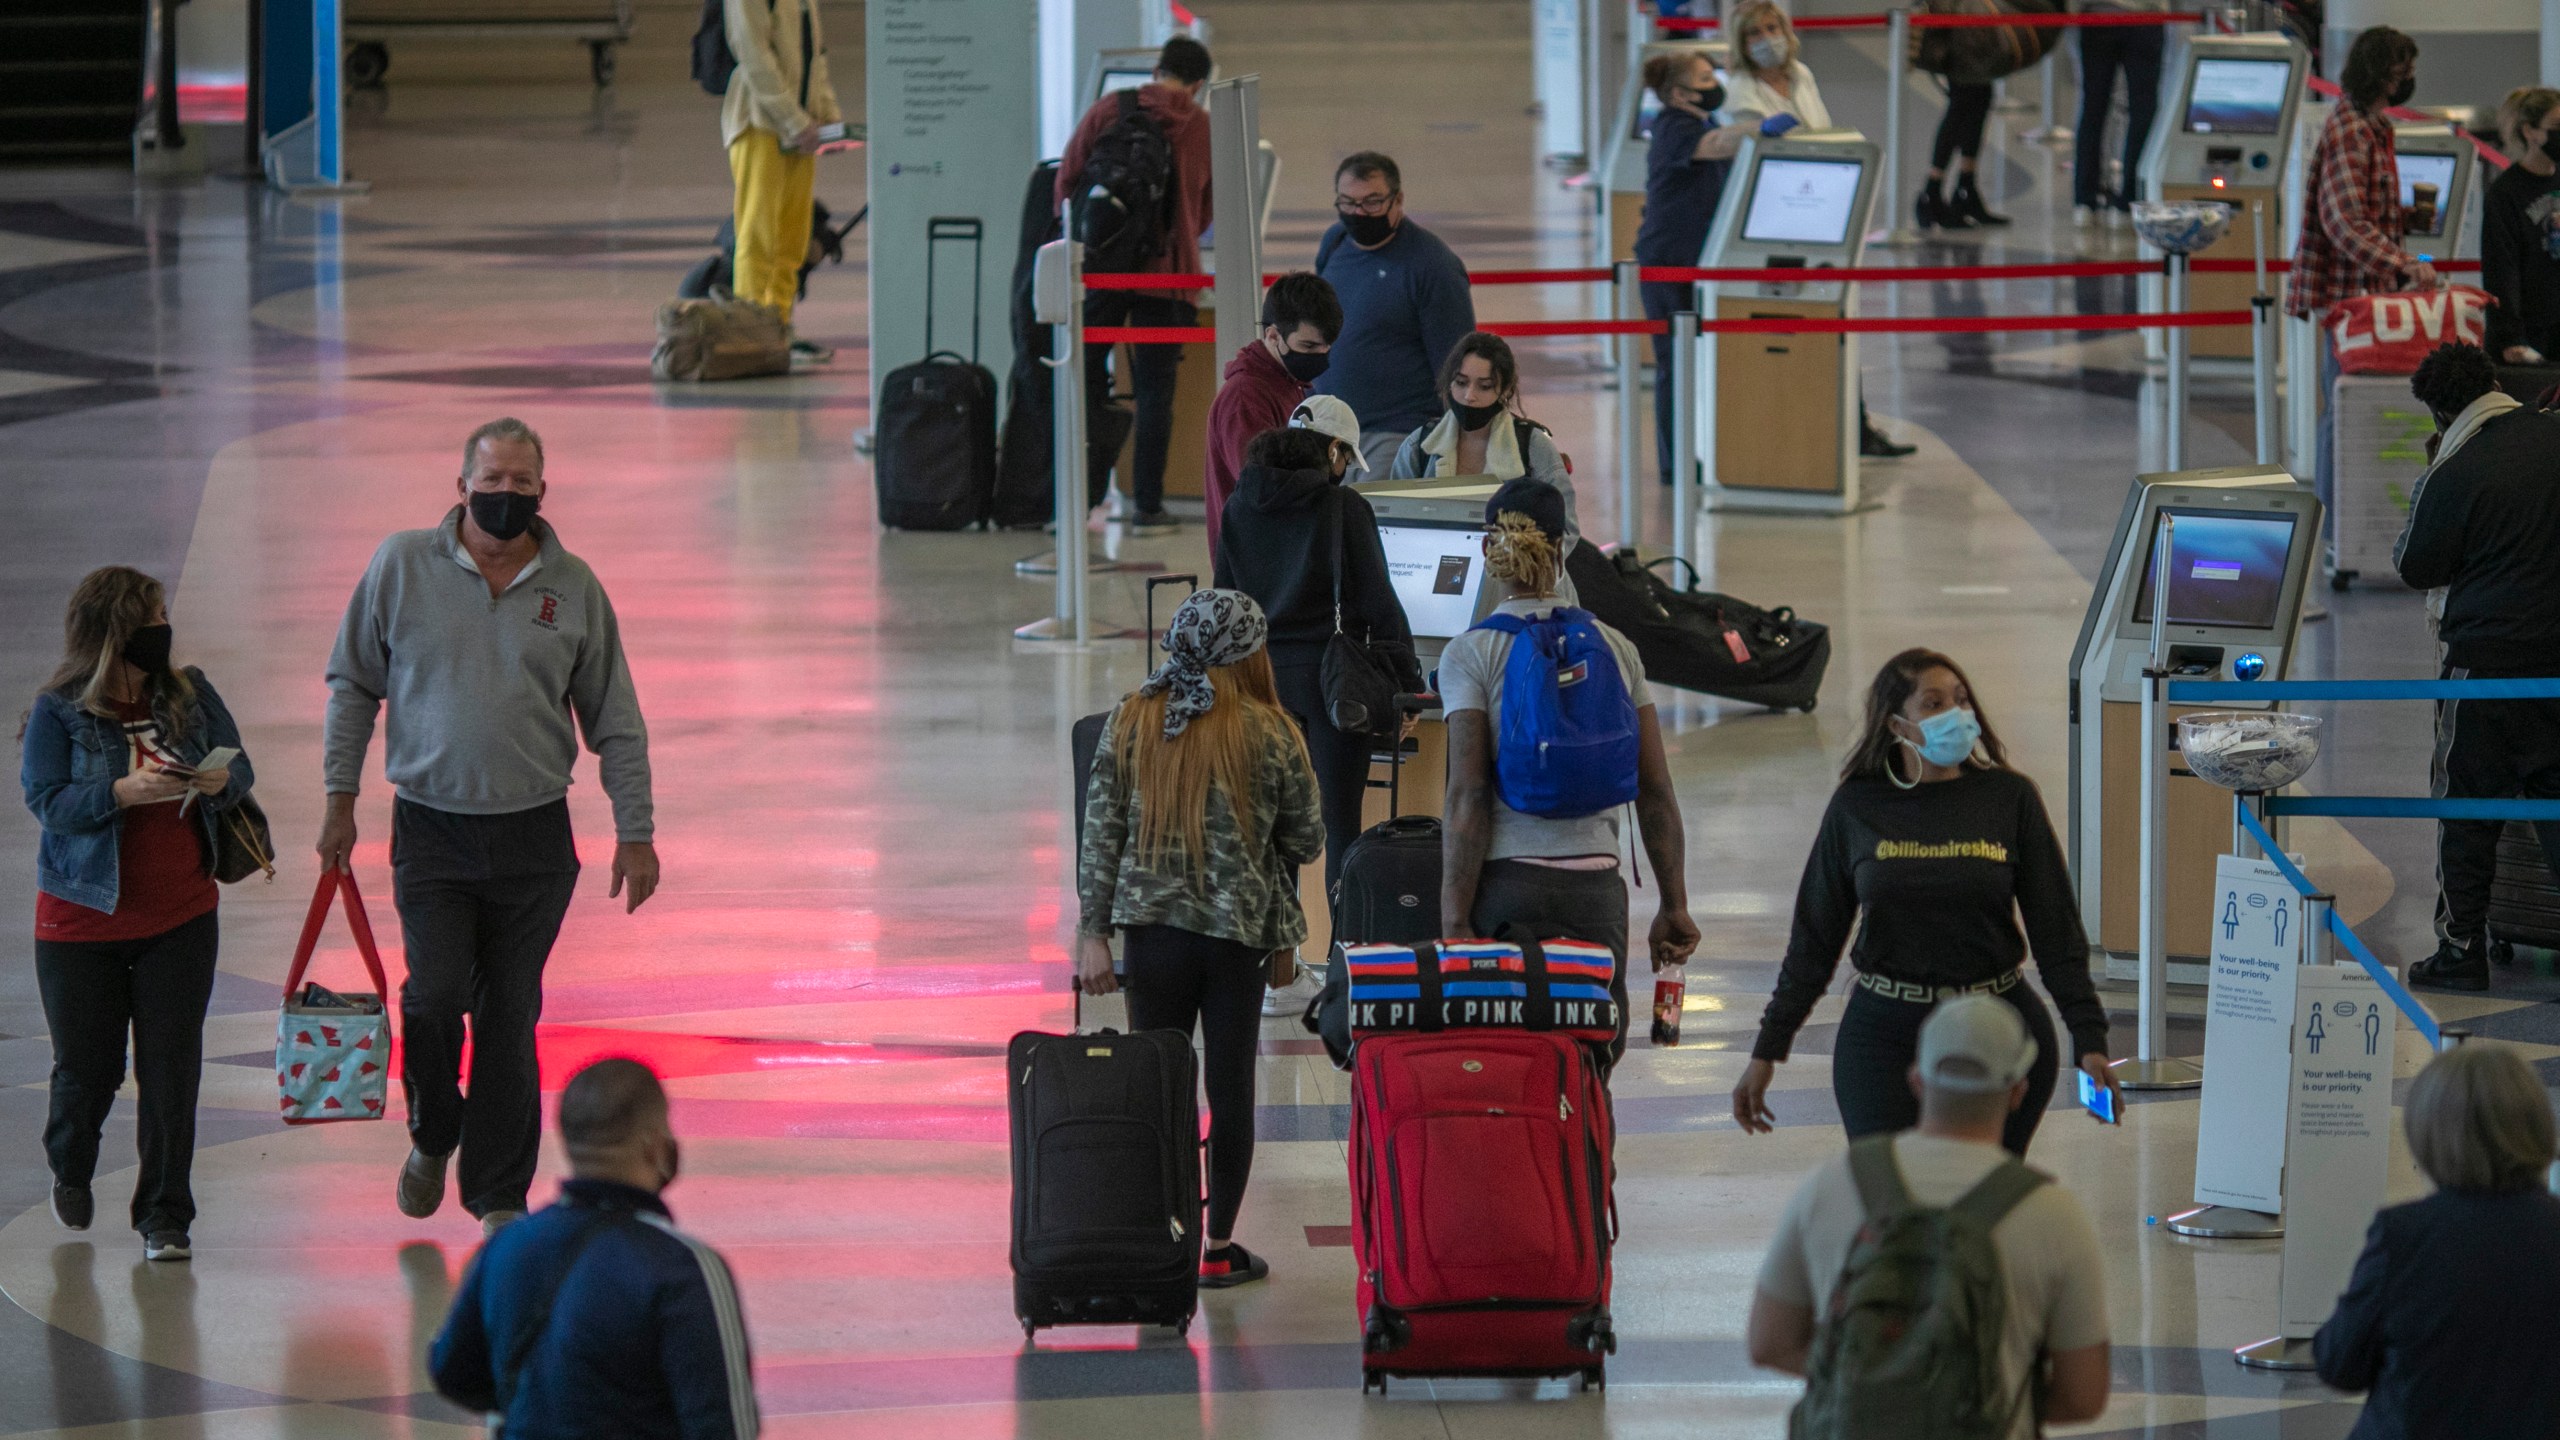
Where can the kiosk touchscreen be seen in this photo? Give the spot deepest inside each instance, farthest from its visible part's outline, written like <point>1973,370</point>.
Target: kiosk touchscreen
<point>1623,151</point>
<point>2439,163</point>
<point>1119,70</point>
<point>2241,557</point>
<point>1433,533</point>
<point>2229,111</point>
<point>1795,206</point>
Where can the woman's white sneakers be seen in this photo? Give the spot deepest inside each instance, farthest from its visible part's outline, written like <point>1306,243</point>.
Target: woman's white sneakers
<point>1290,1000</point>
<point>166,1245</point>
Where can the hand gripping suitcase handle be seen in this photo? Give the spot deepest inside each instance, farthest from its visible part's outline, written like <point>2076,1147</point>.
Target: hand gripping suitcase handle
<point>1406,706</point>
<point>334,882</point>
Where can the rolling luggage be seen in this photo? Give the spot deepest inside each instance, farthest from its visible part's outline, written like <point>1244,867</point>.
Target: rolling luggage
<point>1389,892</point>
<point>1482,1216</point>
<point>934,462</point>
<point>1025,482</point>
<point>1106,1179</point>
<point>1698,640</point>
<point>2524,904</point>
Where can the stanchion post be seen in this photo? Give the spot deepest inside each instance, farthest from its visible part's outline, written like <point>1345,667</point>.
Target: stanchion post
<point>2316,948</point>
<point>1897,51</point>
<point>1684,429</point>
<point>2174,432</point>
<point>2152,1067</point>
<point>1630,306</point>
<point>2262,339</point>
<point>1058,295</point>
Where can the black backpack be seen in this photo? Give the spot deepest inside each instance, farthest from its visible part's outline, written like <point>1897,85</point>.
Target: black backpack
<point>1123,201</point>
<point>713,63</point>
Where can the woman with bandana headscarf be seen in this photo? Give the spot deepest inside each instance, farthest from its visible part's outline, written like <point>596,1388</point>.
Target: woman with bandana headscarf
<point>1201,809</point>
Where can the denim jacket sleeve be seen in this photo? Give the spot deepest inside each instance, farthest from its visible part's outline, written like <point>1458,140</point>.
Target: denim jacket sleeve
<point>62,800</point>
<point>220,730</point>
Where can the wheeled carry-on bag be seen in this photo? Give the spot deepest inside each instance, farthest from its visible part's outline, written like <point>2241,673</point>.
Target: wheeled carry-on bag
<point>934,463</point>
<point>1481,1210</point>
<point>1390,885</point>
<point>1699,640</point>
<point>1106,1179</point>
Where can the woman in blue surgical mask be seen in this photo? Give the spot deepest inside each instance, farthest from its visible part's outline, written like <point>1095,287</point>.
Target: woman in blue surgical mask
<point>1942,860</point>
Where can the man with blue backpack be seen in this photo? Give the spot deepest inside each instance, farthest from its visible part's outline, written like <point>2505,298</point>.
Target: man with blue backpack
<point>1551,737</point>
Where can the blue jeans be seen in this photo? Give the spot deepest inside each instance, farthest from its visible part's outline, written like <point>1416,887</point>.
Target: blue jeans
<point>2324,469</point>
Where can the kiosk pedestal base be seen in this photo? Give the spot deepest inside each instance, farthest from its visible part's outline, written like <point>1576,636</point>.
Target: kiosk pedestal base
<point>2166,1073</point>
<point>1786,412</point>
<point>2275,1353</point>
<point>2225,1222</point>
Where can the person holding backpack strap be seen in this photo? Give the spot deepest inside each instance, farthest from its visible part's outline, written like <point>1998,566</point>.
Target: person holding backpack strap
<point>1480,386</point>
<point>1966,1297</point>
<point>1134,188</point>
<point>1551,734</point>
<point>775,96</point>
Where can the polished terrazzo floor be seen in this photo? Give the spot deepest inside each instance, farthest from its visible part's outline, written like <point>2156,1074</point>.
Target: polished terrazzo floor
<point>860,775</point>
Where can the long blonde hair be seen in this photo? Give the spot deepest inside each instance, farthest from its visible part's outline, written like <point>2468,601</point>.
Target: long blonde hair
<point>2524,105</point>
<point>1219,751</point>
<point>107,606</point>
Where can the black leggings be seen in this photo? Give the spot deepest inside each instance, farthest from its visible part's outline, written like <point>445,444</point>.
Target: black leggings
<point>1878,1043</point>
<point>1177,977</point>
<point>95,994</point>
<point>1960,130</point>
<point>1341,760</point>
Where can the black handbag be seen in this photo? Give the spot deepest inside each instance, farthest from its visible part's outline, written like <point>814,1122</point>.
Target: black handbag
<point>1359,676</point>
<point>243,845</point>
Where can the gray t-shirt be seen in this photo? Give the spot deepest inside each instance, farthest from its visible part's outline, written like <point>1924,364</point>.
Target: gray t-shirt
<point>1471,679</point>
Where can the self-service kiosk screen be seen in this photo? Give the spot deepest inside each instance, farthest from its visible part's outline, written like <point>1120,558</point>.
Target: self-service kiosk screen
<point>2225,570</point>
<point>1438,572</point>
<point>1802,202</point>
<point>1122,80</point>
<point>2238,97</point>
<point>2421,168</point>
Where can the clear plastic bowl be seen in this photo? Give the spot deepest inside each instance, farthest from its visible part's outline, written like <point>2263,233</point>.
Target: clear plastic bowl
<point>2180,227</point>
<point>2253,750</point>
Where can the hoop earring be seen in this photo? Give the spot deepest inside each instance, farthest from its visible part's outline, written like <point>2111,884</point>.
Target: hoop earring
<point>1980,757</point>
<point>1893,771</point>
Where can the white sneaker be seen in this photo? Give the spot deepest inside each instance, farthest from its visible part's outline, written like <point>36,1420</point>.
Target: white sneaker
<point>2118,217</point>
<point>1291,999</point>
<point>2084,217</point>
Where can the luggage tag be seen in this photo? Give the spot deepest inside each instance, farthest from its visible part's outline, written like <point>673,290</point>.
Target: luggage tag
<point>1733,642</point>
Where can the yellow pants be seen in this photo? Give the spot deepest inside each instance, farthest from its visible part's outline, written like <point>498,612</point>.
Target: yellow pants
<point>772,215</point>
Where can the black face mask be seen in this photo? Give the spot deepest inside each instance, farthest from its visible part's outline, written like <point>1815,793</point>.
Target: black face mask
<point>1475,417</point>
<point>1304,366</point>
<point>2400,95</point>
<point>1712,99</point>
<point>1368,229</point>
<point>147,649</point>
<point>2551,143</point>
<point>504,514</point>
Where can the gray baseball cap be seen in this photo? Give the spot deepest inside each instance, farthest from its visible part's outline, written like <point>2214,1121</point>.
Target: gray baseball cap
<point>1986,1039</point>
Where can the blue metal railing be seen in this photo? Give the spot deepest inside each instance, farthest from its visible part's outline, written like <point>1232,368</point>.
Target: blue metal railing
<point>2409,1004</point>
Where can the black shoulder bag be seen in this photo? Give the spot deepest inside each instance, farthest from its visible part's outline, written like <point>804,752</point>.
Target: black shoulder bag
<point>1359,676</point>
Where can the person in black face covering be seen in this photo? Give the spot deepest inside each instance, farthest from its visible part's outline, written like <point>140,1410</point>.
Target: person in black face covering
<point>1405,303</point>
<point>1482,432</point>
<point>2520,231</point>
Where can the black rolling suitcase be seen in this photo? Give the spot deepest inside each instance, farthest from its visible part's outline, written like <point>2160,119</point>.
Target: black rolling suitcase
<point>934,462</point>
<point>2524,903</point>
<point>1389,893</point>
<point>1699,640</point>
<point>1024,483</point>
<point>1106,1179</point>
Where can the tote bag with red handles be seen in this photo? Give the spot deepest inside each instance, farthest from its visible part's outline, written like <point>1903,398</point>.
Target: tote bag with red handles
<point>2390,334</point>
<point>333,1050</point>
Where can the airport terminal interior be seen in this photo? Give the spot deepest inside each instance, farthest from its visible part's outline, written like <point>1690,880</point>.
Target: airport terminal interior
<point>862,782</point>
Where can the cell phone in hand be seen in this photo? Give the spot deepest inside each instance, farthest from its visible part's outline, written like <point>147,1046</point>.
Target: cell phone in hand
<point>2096,1098</point>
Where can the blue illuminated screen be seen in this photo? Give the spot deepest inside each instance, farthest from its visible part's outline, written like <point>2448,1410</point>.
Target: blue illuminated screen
<point>2225,570</point>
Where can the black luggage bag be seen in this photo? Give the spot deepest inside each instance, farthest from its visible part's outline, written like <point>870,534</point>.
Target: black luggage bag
<point>1106,1179</point>
<point>2524,903</point>
<point>934,462</point>
<point>1021,500</point>
<point>1699,640</point>
<point>1389,894</point>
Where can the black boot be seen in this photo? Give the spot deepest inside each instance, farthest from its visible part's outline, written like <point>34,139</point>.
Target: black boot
<point>1967,201</point>
<point>1933,212</point>
<point>2454,967</point>
<point>1873,444</point>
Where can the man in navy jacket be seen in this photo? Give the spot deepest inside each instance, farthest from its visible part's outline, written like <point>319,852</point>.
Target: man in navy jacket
<point>597,1319</point>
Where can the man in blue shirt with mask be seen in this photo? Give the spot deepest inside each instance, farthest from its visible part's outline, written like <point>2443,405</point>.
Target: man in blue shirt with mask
<point>1405,306</point>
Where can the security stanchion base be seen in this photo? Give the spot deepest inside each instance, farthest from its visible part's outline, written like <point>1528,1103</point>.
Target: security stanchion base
<point>2275,1353</point>
<point>1046,563</point>
<point>2168,1074</point>
<point>1054,631</point>
<point>1899,235</point>
<point>2225,1222</point>
<point>2047,135</point>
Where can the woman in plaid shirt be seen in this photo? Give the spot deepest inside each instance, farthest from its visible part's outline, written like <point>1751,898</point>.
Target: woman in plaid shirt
<point>2352,219</point>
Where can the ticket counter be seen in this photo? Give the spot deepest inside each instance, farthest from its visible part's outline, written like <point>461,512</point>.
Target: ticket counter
<point>2229,113</point>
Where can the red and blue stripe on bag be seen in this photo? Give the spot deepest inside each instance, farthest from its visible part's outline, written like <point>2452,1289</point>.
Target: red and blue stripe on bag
<point>1484,983</point>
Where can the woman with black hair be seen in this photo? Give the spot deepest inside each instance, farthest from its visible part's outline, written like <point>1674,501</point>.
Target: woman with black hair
<point>1480,384</point>
<point>1933,856</point>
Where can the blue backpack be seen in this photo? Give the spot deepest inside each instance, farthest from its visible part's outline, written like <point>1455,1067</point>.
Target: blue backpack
<point>1569,737</point>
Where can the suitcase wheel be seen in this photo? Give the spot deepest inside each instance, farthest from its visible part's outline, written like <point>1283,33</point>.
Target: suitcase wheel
<point>1373,1380</point>
<point>2502,953</point>
<point>1182,1328</point>
<point>1595,1378</point>
<point>1030,1331</point>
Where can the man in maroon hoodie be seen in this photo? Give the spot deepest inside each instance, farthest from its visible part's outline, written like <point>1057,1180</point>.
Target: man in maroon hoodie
<point>1172,101</point>
<point>1267,379</point>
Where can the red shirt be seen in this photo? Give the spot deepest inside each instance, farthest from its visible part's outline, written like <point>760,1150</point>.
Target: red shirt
<point>162,880</point>
<point>1186,129</point>
<point>1255,395</point>
<point>2351,221</point>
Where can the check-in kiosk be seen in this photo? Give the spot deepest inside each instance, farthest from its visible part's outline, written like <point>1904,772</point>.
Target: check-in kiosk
<point>1622,165</point>
<point>1118,70</point>
<point>2228,113</point>
<point>2245,540</point>
<point>1782,429</point>
<point>1433,533</point>
<point>2443,161</point>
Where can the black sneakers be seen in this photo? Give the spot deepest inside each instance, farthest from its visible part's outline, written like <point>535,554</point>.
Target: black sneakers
<point>421,1184</point>
<point>2454,967</point>
<point>166,1245</point>
<point>73,1207</point>
<point>1874,444</point>
<point>1230,1267</point>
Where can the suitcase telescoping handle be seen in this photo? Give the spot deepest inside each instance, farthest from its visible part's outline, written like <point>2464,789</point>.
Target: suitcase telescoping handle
<point>1406,705</point>
<point>333,883</point>
<point>955,227</point>
<point>1188,583</point>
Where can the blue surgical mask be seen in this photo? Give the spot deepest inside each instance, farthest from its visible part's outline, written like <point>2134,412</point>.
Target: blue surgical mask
<point>1947,737</point>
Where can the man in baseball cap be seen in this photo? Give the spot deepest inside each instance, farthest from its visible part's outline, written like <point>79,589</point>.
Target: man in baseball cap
<point>1330,415</point>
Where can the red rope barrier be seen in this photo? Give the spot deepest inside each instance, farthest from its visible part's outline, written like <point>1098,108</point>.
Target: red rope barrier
<point>1153,282</point>
<point>1923,21</point>
<point>2064,270</point>
<point>1150,334</point>
<point>1596,274</point>
<point>2328,90</point>
<point>1926,325</point>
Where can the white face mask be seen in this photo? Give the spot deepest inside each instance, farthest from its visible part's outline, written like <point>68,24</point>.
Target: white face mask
<point>1768,54</point>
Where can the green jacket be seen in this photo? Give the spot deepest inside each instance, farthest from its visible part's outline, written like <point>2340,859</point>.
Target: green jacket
<point>1244,889</point>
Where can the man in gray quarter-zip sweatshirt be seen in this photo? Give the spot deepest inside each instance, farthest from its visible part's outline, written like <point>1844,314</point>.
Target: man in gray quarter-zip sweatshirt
<point>496,648</point>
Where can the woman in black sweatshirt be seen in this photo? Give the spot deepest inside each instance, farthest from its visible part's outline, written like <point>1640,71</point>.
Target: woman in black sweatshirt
<point>1934,849</point>
<point>1290,523</point>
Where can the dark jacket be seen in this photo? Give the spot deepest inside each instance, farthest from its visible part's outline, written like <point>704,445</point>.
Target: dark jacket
<point>1278,547</point>
<point>1186,129</point>
<point>2449,1319</point>
<point>2517,225</point>
<point>1405,306</point>
<point>645,1338</point>
<point>68,767</point>
<point>2485,523</point>
<point>1255,395</point>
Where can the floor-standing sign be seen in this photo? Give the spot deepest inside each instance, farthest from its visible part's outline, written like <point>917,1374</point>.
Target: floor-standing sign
<point>303,116</point>
<point>1555,72</point>
<point>2248,1061</point>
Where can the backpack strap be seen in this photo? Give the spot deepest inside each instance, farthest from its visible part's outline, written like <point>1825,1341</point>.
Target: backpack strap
<point>1128,101</point>
<point>1990,1201</point>
<point>1879,1176</point>
<point>1504,624</point>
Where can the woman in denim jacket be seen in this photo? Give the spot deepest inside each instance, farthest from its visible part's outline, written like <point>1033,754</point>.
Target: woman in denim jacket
<point>126,934</point>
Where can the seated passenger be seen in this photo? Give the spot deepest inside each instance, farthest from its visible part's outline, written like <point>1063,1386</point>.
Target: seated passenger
<point>2450,1317</point>
<point>1480,384</point>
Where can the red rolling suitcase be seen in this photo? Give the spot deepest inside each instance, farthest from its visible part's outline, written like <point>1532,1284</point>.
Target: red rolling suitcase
<point>1481,1210</point>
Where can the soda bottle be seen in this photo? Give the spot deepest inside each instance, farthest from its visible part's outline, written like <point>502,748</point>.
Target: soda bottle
<point>1670,987</point>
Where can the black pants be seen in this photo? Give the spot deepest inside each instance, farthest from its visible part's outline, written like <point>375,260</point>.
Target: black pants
<point>1661,302</point>
<point>1960,129</point>
<point>2488,750</point>
<point>1151,379</point>
<point>1879,1041</point>
<point>95,992</point>
<point>2107,51</point>
<point>481,898</point>
<point>1341,759</point>
<point>1177,977</point>
<point>1585,905</point>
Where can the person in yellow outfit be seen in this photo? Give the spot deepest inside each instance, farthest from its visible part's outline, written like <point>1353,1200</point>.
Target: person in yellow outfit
<point>778,97</point>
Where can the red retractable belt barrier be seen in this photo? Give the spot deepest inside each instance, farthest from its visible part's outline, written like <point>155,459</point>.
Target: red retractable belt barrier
<point>1921,20</point>
<point>1877,325</point>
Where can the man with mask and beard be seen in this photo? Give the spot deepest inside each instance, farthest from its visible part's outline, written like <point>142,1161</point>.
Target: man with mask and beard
<point>1405,304</point>
<point>2352,220</point>
<point>1266,380</point>
<point>496,649</point>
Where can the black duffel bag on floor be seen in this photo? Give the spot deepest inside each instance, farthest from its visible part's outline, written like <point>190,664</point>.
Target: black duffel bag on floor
<point>1699,640</point>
